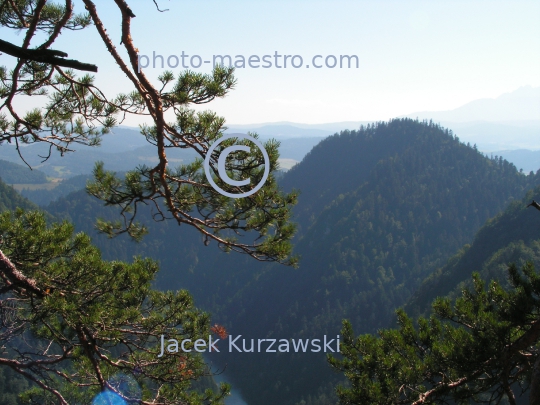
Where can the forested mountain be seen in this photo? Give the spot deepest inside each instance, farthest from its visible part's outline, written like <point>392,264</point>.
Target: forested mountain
<point>11,173</point>
<point>513,236</point>
<point>10,199</point>
<point>481,330</point>
<point>380,209</point>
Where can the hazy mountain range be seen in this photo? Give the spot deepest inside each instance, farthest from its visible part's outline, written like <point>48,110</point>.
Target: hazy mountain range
<point>522,104</point>
<point>506,126</point>
<point>510,121</point>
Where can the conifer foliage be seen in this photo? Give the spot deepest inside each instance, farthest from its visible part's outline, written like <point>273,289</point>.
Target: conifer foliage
<point>76,111</point>
<point>79,327</point>
<point>73,324</point>
<point>483,348</point>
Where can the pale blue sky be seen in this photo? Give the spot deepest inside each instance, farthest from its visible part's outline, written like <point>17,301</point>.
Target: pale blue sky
<point>414,55</point>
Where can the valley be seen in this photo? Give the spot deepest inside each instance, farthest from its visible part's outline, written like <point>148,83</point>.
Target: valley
<point>382,209</point>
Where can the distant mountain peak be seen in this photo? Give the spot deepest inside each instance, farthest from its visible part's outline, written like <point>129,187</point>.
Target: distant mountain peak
<point>522,104</point>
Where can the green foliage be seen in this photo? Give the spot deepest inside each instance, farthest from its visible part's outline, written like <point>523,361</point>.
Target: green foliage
<point>89,318</point>
<point>76,111</point>
<point>184,194</point>
<point>486,343</point>
<point>51,16</point>
<point>75,107</point>
<point>72,322</point>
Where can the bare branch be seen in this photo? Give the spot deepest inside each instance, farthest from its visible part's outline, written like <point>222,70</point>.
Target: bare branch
<point>49,56</point>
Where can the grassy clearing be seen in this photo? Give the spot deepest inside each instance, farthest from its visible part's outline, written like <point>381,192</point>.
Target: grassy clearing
<point>62,171</point>
<point>43,186</point>
<point>287,164</point>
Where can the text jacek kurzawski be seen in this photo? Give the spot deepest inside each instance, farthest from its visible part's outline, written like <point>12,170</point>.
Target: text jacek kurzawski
<point>242,345</point>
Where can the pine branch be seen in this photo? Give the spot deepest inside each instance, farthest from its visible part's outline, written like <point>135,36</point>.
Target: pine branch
<point>49,56</point>
<point>534,204</point>
<point>12,276</point>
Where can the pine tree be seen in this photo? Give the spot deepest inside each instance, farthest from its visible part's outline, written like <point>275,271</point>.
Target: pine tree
<point>483,348</point>
<point>70,321</point>
<point>77,326</point>
<point>78,112</point>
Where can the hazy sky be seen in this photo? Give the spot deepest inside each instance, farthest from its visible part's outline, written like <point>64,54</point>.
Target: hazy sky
<point>413,55</point>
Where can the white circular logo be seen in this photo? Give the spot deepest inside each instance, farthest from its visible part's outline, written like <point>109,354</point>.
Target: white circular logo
<point>221,166</point>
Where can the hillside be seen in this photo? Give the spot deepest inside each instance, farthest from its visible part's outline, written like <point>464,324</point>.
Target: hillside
<point>12,173</point>
<point>10,199</point>
<point>122,150</point>
<point>513,236</point>
<point>44,196</point>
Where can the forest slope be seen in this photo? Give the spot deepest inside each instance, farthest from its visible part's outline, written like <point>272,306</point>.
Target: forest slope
<point>513,236</point>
